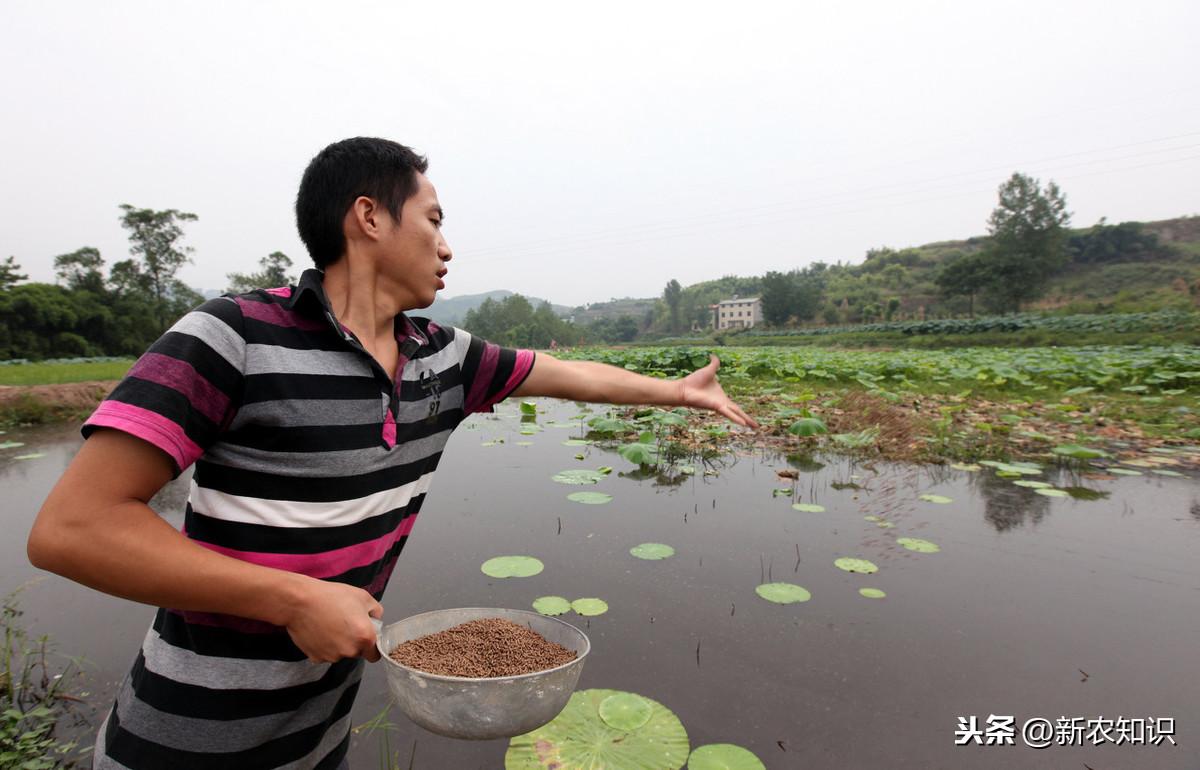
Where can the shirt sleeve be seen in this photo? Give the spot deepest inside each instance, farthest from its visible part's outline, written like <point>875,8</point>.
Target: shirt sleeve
<point>184,391</point>
<point>490,372</point>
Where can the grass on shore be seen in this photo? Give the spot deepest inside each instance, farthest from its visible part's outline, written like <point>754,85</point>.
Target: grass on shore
<point>60,373</point>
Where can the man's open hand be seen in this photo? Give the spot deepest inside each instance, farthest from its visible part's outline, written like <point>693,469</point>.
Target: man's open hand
<point>700,389</point>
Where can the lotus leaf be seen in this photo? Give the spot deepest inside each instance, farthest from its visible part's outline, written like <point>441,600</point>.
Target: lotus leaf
<point>1033,484</point>
<point>512,566</point>
<point>578,739</point>
<point>872,593</point>
<point>551,605</point>
<point>918,545</point>
<point>590,607</point>
<point>1077,452</point>
<point>807,426</point>
<point>528,407</point>
<point>783,593</point>
<point>1052,492</point>
<point>808,507</point>
<point>590,498</point>
<point>578,476</point>
<point>625,711</point>
<point>652,551</point>
<point>724,756</point>
<point>940,499</point>
<point>850,564</point>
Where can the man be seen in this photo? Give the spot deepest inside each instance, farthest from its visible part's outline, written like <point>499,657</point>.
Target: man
<point>316,416</point>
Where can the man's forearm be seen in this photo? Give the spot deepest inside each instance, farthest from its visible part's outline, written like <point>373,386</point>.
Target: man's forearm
<point>597,383</point>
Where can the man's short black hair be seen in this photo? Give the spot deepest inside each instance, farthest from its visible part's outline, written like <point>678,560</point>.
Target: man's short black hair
<point>380,169</point>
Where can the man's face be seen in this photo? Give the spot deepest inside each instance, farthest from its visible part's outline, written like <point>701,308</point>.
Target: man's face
<point>414,252</point>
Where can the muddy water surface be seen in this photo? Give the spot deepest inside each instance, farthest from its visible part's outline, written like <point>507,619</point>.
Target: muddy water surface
<point>1034,607</point>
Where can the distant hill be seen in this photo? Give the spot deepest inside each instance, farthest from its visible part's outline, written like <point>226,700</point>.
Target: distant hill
<point>452,310</point>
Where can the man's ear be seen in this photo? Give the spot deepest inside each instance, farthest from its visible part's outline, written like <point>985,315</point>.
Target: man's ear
<point>363,220</point>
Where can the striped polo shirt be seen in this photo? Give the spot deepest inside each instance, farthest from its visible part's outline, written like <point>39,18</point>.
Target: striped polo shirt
<point>310,458</point>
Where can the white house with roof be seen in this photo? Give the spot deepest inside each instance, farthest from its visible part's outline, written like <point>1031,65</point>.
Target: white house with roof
<point>737,313</point>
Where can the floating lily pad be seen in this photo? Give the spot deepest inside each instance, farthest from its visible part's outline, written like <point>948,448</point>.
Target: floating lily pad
<point>1083,493</point>
<point>528,407</point>
<point>872,593</point>
<point>577,442</point>
<point>885,525</point>
<point>781,492</point>
<point>724,756</point>
<point>807,426</point>
<point>783,593</point>
<point>969,467</point>
<point>590,498</point>
<point>1123,472</point>
<point>590,607</point>
<point>808,507</point>
<point>940,499</point>
<point>1029,484</point>
<point>36,455</point>
<point>524,443</point>
<point>855,565</point>
<point>625,711</point>
<point>578,738</point>
<point>494,442</point>
<point>551,605</point>
<point>512,566</point>
<point>687,470</point>
<point>11,444</point>
<point>1077,452</point>
<point>872,518</point>
<point>652,551</point>
<point>1052,492</point>
<point>1008,474</point>
<point>1156,472</point>
<point>918,545</point>
<point>1135,462</point>
<point>580,457</point>
<point>560,424</point>
<point>578,476</point>
<point>530,430</point>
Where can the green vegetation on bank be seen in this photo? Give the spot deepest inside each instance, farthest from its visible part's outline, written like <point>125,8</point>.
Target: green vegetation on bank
<point>57,372</point>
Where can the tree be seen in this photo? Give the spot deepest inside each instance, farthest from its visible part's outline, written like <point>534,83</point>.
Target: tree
<point>672,295</point>
<point>274,273</point>
<point>9,275</point>
<point>778,296</point>
<point>154,236</point>
<point>1028,236</point>
<point>964,275</point>
<point>81,270</point>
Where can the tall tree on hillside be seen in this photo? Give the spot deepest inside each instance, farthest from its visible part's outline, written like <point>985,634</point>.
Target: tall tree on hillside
<point>1028,237</point>
<point>81,270</point>
<point>672,295</point>
<point>274,273</point>
<point>9,273</point>
<point>154,237</point>
<point>778,297</point>
<point>964,276</point>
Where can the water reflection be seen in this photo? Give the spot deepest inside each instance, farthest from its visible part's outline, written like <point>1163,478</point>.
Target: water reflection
<point>1005,505</point>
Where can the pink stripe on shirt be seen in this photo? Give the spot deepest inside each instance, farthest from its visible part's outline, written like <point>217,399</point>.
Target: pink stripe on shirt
<point>149,426</point>
<point>178,375</point>
<point>483,376</point>
<point>324,564</point>
<point>269,312</point>
<point>520,370</point>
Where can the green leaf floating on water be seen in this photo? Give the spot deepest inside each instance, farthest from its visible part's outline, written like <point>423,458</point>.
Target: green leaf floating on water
<point>1052,492</point>
<point>872,593</point>
<point>1122,472</point>
<point>36,455</point>
<point>512,566</point>
<point>590,498</point>
<point>855,565</point>
<point>652,551</point>
<point>578,476</point>
<point>578,739</point>
<point>936,499</point>
<point>1156,471</point>
<point>808,507</point>
<point>1033,484</point>
<point>783,593</point>
<point>724,756</point>
<point>885,524</point>
<point>551,605</point>
<point>625,711</point>
<point>590,607</point>
<point>639,453</point>
<point>918,545</point>
<point>528,407</point>
<point>872,517</point>
<point>781,492</point>
<point>577,442</point>
<point>524,443</point>
<point>11,444</point>
<point>969,467</point>
<point>1077,452</point>
<point>808,426</point>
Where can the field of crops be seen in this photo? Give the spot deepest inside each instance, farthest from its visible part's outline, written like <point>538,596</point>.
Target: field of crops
<point>1117,323</point>
<point>1137,370</point>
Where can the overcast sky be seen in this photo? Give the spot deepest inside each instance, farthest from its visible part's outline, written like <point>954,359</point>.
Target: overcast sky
<point>590,151</point>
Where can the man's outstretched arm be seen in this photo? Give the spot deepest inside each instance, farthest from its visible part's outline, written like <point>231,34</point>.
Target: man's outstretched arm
<point>601,383</point>
<point>97,529</point>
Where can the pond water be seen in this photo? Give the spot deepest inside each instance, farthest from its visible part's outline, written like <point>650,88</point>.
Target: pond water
<point>1034,606</point>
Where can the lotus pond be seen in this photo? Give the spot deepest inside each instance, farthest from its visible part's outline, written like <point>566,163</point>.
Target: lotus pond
<point>758,607</point>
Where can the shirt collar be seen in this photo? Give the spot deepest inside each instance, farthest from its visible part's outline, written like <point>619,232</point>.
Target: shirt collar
<point>309,296</point>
